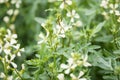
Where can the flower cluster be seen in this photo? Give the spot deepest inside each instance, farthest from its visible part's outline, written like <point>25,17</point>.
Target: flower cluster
<point>10,49</point>
<point>12,12</point>
<point>75,61</point>
<point>111,7</point>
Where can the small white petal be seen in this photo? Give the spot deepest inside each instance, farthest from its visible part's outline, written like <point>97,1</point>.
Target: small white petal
<point>2,75</point>
<point>70,61</point>
<point>18,54</point>
<point>81,74</point>
<point>60,76</point>
<point>67,71</point>
<point>77,16</point>
<point>10,12</point>
<point>12,57</point>
<point>69,2</point>
<point>13,64</point>
<point>73,76</point>
<point>86,64</point>
<point>64,66</point>
<point>68,14</point>
<point>6,19</point>
<point>14,36</point>
<point>62,5</point>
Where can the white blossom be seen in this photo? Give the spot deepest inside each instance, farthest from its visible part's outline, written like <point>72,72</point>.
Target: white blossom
<point>17,47</point>
<point>7,48</point>
<point>70,66</point>
<point>61,29</point>
<point>79,76</point>
<point>11,38</point>
<point>68,2</point>
<point>85,63</point>
<point>73,15</point>
<point>104,3</point>
<point>78,23</point>
<point>42,38</point>
<point>10,12</point>
<point>2,75</point>
<point>60,76</point>
<point>6,19</point>
<point>16,12</point>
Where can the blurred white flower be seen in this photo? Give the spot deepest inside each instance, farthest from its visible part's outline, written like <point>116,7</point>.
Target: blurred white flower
<point>60,76</point>
<point>10,12</point>
<point>104,3</point>
<point>73,15</point>
<point>78,23</point>
<point>16,12</point>
<point>7,48</point>
<point>17,47</point>
<point>105,14</point>
<point>42,38</point>
<point>2,75</point>
<point>70,66</point>
<point>12,26</point>
<point>68,2</point>
<point>9,60</point>
<point>118,19</point>
<point>10,78</point>
<point>6,19</point>
<point>79,76</point>
<point>61,29</point>
<point>3,1</point>
<point>10,38</point>
<point>113,8</point>
<point>85,63</point>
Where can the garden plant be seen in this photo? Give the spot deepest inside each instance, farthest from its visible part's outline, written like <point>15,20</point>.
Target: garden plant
<point>59,39</point>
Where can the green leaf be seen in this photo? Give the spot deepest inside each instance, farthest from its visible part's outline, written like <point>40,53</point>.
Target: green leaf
<point>97,28</point>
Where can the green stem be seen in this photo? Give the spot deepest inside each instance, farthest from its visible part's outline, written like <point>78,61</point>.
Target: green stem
<point>19,75</point>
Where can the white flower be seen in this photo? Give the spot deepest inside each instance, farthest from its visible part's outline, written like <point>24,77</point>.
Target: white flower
<point>79,76</point>
<point>73,15</point>
<point>23,66</point>
<point>10,12</point>
<point>3,1</point>
<point>2,75</point>
<point>7,48</point>
<point>118,19</point>
<point>113,7</point>
<point>10,37</point>
<point>12,57</point>
<point>68,2</point>
<point>61,28</point>
<point>117,12</point>
<point>85,63</point>
<point>60,76</point>
<point>6,19</point>
<point>12,26</point>
<point>17,47</point>
<point>78,23</point>
<point>10,78</point>
<point>42,38</point>
<point>70,66</point>
<point>16,12</point>
<point>105,14</point>
<point>104,3</point>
